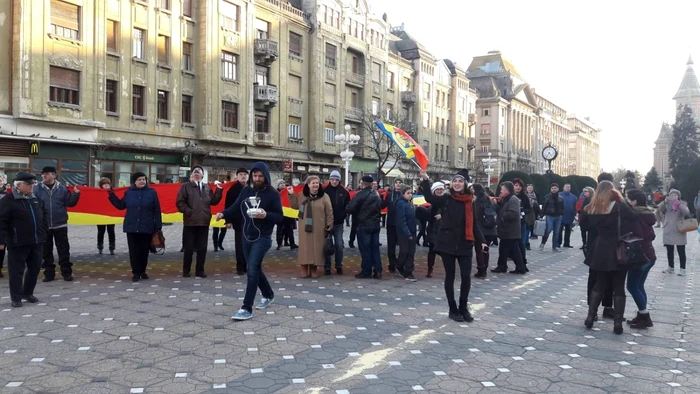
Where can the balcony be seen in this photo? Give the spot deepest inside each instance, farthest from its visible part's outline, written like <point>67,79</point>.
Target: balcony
<point>265,96</point>
<point>264,139</point>
<point>266,52</point>
<point>353,114</point>
<point>411,129</point>
<point>355,79</point>
<point>408,98</point>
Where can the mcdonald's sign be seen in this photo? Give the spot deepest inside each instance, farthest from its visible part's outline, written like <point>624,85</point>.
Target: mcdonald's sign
<point>34,148</point>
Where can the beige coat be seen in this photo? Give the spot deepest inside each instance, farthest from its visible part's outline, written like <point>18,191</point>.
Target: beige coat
<point>311,244</point>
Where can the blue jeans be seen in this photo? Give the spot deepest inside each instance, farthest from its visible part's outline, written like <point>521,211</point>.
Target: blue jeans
<point>524,234</point>
<point>368,242</point>
<point>254,253</point>
<point>553,226</point>
<point>635,284</point>
<point>337,235</point>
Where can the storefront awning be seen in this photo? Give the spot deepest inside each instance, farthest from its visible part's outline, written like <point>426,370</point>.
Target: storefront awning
<point>395,173</point>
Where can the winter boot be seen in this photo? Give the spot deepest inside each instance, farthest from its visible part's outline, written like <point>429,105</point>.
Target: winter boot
<point>304,271</point>
<point>464,311</point>
<point>595,300</point>
<point>431,264</point>
<point>619,304</point>
<point>643,321</point>
<point>635,320</point>
<point>454,312</point>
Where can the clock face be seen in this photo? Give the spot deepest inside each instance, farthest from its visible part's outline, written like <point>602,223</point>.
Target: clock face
<point>549,153</point>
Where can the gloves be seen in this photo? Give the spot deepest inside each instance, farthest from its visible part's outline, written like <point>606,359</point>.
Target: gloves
<point>676,204</point>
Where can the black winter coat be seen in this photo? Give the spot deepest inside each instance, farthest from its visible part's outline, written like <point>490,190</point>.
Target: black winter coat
<point>508,221</point>
<point>23,222</point>
<point>366,208</point>
<point>143,214</point>
<point>551,207</point>
<point>389,202</point>
<point>479,206</point>
<point>231,197</point>
<point>339,201</point>
<point>602,254</point>
<point>451,239</point>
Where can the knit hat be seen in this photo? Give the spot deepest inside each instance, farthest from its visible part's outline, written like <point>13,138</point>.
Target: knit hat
<point>675,191</point>
<point>281,182</point>
<point>138,175</point>
<point>398,180</point>
<point>238,171</point>
<point>104,181</point>
<point>437,185</point>
<point>335,174</point>
<point>405,188</point>
<point>367,179</point>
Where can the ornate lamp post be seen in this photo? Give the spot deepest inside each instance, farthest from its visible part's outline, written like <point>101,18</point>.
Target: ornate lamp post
<point>347,140</point>
<point>488,170</point>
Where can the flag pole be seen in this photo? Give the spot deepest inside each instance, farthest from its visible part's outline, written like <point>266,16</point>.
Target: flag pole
<point>417,165</point>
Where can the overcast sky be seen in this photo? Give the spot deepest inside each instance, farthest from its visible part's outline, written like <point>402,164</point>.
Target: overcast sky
<point>619,62</point>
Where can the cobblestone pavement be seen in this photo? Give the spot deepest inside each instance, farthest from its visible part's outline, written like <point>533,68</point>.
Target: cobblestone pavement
<point>104,334</point>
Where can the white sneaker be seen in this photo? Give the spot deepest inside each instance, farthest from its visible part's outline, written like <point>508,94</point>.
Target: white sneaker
<point>668,270</point>
<point>681,272</point>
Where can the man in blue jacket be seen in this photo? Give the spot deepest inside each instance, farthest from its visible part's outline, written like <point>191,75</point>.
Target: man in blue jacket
<point>257,234</point>
<point>58,199</point>
<point>406,233</point>
<point>567,220</point>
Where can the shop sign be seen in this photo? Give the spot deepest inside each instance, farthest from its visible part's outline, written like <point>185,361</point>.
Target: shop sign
<point>144,157</point>
<point>314,168</point>
<point>34,148</point>
<point>325,170</point>
<point>301,168</point>
<point>288,166</point>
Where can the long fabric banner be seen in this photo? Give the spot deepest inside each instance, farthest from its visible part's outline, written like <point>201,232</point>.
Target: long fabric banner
<point>94,207</point>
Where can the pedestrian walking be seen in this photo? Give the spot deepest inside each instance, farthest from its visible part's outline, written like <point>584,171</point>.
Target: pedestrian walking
<point>231,196</point>
<point>24,223</point>
<point>389,203</point>
<point>568,217</point>
<point>195,200</point>
<point>485,216</point>
<point>316,221</point>
<point>58,199</point>
<point>455,240</point>
<point>674,210</point>
<point>437,189</point>
<point>142,219</point>
<point>105,183</point>
<point>584,200</point>
<point>258,224</point>
<point>508,224</point>
<point>534,203</point>
<point>340,198</point>
<point>643,228</point>
<point>553,209</point>
<point>612,218</point>
<point>3,193</point>
<point>366,209</point>
<point>406,233</point>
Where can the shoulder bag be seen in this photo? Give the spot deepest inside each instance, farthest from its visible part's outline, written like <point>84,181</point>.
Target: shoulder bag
<point>629,247</point>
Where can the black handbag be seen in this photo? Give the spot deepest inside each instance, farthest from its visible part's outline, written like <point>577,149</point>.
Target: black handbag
<point>329,246</point>
<point>629,247</point>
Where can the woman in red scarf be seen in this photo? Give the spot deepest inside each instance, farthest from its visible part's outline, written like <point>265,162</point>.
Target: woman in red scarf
<point>455,240</point>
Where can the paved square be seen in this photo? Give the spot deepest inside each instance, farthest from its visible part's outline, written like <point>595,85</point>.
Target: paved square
<point>104,334</point>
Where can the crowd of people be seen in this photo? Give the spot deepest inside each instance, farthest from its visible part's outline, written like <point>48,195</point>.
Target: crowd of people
<point>459,221</point>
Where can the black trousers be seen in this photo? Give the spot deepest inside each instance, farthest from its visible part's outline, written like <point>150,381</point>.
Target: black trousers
<point>611,279</point>
<point>2,258</point>
<point>353,231</point>
<point>407,254</point>
<point>139,248</point>
<point>285,232</point>
<point>482,258</point>
<point>393,241</point>
<point>607,293</point>
<point>510,248</point>
<point>19,258</point>
<point>101,229</point>
<point>422,233</point>
<point>465,268</point>
<point>241,264</point>
<point>566,230</point>
<point>670,255</point>
<point>60,237</point>
<point>195,240</point>
<point>584,237</point>
<point>218,235</point>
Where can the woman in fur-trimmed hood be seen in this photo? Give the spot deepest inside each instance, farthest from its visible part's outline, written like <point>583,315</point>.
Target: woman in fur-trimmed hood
<point>315,221</point>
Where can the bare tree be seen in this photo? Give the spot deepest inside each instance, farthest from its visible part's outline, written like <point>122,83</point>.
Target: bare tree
<point>382,148</point>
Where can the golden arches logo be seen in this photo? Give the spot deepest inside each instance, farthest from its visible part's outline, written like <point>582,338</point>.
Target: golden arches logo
<point>33,148</point>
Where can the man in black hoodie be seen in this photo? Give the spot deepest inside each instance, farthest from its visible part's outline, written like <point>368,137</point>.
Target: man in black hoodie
<point>339,201</point>
<point>389,202</point>
<point>237,224</point>
<point>257,234</point>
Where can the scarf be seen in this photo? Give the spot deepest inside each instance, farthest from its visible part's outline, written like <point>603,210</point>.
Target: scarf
<point>466,199</point>
<point>309,220</point>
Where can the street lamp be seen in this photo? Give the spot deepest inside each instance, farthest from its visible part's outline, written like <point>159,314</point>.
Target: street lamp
<point>347,140</point>
<point>488,170</point>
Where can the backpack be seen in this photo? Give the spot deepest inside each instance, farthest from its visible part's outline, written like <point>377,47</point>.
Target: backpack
<point>488,218</point>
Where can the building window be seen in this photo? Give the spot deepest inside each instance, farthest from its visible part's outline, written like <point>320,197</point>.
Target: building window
<point>375,107</point>
<point>485,112</point>
<point>165,5</point>
<point>485,148</point>
<point>261,75</point>
<point>426,91</point>
<point>294,86</point>
<point>261,123</point>
<point>229,115</point>
<point>390,80</point>
<point>138,105</point>
<point>295,44</point>
<point>329,133</point>
<point>112,35</point>
<point>390,112</point>
<point>461,153</point>
<point>111,96</point>
<point>354,102</point>
<point>186,109</point>
<point>162,105</point>
<point>187,56</point>
<point>187,8</point>
<point>229,15</point>
<point>228,66</point>
<point>376,72</point>
<point>485,129</point>
<point>426,120</point>
<point>139,41</point>
<point>357,65</point>
<point>329,94</point>
<point>163,49</point>
<point>262,28</point>
<point>331,55</point>
<point>65,19</point>
<point>294,128</point>
<point>64,86</point>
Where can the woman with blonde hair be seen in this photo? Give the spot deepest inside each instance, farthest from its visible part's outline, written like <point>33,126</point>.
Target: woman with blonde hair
<point>611,217</point>
<point>315,221</point>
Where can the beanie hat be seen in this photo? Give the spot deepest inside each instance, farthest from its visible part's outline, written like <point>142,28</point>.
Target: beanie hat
<point>675,191</point>
<point>367,179</point>
<point>238,171</point>
<point>281,182</point>
<point>138,175</point>
<point>405,188</point>
<point>437,185</point>
<point>335,174</point>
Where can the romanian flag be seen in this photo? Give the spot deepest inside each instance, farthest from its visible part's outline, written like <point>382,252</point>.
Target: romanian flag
<point>405,143</point>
